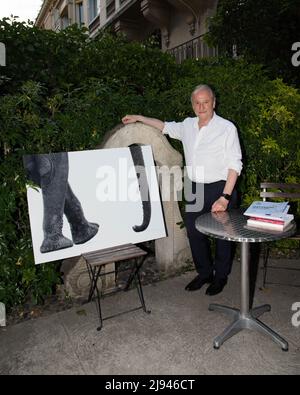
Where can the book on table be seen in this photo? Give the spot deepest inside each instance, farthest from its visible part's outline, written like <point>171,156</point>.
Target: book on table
<point>268,210</point>
<point>270,224</point>
<point>269,215</point>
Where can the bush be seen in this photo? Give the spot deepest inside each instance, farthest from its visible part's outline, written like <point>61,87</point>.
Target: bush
<point>265,113</point>
<point>67,59</point>
<point>266,39</point>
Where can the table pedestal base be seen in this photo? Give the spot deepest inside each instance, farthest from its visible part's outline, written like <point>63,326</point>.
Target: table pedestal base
<point>246,321</point>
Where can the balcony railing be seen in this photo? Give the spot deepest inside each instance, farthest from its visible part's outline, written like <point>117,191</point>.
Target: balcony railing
<point>61,24</point>
<point>94,24</point>
<point>193,49</point>
<point>110,7</point>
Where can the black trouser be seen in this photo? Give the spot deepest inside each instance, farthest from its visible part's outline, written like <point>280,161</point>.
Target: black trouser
<point>200,243</point>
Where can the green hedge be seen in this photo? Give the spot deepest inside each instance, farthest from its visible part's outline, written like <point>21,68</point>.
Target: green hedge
<point>66,59</point>
<point>265,113</point>
<point>86,93</point>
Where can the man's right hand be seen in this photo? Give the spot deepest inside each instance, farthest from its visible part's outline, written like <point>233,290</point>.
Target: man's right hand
<point>130,119</point>
<point>155,123</point>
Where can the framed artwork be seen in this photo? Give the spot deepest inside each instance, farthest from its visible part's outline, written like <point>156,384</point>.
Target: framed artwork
<point>90,200</point>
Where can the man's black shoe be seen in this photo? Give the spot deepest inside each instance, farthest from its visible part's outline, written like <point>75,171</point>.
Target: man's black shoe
<point>198,282</point>
<point>216,286</point>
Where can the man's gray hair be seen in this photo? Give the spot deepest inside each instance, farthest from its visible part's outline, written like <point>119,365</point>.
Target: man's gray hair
<point>203,87</point>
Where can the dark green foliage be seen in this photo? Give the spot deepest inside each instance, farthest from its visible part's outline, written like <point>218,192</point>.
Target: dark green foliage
<point>263,32</point>
<point>265,113</point>
<point>68,92</point>
<point>68,58</point>
<point>60,92</point>
<point>40,55</point>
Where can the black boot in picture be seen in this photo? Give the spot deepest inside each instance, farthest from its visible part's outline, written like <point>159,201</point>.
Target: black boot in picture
<point>81,229</point>
<point>53,171</point>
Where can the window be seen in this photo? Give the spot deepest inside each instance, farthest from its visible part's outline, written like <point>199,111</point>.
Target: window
<point>64,22</point>
<point>94,9</point>
<point>56,20</point>
<point>79,14</point>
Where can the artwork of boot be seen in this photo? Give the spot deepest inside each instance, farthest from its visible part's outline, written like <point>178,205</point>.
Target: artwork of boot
<point>53,238</point>
<point>53,170</point>
<point>50,172</point>
<point>81,229</point>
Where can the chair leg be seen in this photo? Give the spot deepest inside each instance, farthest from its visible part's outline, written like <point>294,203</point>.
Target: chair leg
<point>265,259</point>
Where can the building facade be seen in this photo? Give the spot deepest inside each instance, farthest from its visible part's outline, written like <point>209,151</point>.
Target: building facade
<point>181,24</point>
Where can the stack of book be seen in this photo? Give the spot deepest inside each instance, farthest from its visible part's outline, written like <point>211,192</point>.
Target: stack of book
<point>269,215</point>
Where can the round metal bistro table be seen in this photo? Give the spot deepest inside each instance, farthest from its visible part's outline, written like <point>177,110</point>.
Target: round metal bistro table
<point>232,225</point>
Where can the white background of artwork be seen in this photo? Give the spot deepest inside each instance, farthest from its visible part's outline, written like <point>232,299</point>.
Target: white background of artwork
<point>89,180</point>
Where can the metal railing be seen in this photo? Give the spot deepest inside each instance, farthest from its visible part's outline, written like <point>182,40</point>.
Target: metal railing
<point>110,7</point>
<point>94,24</point>
<point>195,48</point>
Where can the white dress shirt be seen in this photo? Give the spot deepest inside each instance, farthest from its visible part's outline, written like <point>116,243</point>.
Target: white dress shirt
<point>209,151</point>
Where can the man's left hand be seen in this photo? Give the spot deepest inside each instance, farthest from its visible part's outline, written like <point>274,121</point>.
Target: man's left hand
<point>219,205</point>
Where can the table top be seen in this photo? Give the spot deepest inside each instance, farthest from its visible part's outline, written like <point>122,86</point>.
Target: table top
<point>232,225</point>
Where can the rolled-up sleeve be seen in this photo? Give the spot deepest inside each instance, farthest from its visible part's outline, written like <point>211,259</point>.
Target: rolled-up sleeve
<point>174,129</point>
<point>233,153</point>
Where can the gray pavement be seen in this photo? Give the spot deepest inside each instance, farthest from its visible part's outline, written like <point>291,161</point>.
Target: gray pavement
<point>176,338</point>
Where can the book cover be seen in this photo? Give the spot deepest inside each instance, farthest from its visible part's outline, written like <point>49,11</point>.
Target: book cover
<point>268,210</point>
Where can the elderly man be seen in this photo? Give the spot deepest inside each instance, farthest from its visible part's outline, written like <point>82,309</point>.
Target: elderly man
<point>211,145</point>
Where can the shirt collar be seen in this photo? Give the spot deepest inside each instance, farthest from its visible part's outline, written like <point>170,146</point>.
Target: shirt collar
<point>196,121</point>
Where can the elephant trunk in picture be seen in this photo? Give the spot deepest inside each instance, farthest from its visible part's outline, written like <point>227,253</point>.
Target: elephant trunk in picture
<point>139,164</point>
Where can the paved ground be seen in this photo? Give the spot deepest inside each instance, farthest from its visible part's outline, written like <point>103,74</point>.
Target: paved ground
<point>176,338</point>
